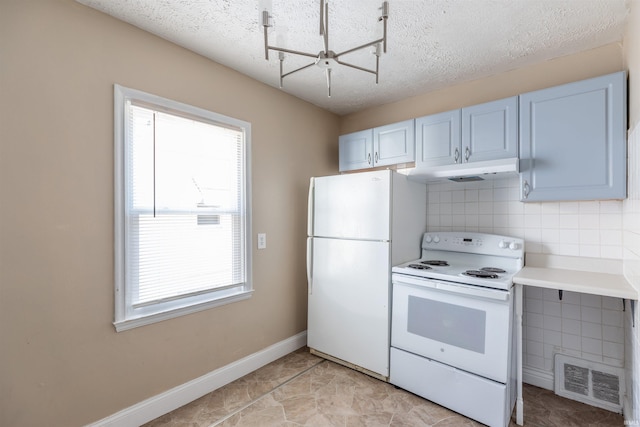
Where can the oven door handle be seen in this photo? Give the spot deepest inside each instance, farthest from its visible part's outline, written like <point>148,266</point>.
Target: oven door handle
<point>454,288</point>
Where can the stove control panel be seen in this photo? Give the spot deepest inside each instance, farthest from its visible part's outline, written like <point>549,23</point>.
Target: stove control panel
<point>479,243</point>
<point>451,241</point>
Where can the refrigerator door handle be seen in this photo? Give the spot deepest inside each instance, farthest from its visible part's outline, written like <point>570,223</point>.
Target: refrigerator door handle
<point>310,264</point>
<point>310,206</point>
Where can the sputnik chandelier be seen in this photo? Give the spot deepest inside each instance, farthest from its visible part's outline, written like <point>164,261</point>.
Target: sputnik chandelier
<point>326,59</point>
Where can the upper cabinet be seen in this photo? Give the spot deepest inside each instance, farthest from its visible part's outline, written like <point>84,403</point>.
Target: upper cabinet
<point>573,141</point>
<point>479,133</point>
<point>490,130</point>
<point>356,150</point>
<point>438,139</point>
<point>394,143</point>
<point>381,146</point>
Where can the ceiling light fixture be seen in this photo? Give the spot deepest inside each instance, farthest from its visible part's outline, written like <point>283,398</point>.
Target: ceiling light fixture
<point>326,58</point>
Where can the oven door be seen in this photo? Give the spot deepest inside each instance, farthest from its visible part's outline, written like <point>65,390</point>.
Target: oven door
<point>467,327</point>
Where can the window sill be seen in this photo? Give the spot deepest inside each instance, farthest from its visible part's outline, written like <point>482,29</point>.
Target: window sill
<point>124,325</point>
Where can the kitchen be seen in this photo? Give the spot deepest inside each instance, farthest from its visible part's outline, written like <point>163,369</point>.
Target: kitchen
<point>62,354</point>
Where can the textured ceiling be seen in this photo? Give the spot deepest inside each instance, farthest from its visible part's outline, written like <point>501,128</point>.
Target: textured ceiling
<point>431,43</point>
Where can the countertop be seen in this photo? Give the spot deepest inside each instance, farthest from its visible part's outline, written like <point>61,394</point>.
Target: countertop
<point>575,276</point>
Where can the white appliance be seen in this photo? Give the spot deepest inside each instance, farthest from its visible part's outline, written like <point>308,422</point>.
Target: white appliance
<point>359,226</point>
<point>452,336</point>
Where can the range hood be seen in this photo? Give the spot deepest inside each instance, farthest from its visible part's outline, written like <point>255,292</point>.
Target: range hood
<point>464,172</point>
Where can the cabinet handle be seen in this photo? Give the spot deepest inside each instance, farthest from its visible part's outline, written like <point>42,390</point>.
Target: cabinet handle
<point>369,158</point>
<point>467,154</point>
<point>456,155</point>
<point>376,157</point>
<point>525,189</point>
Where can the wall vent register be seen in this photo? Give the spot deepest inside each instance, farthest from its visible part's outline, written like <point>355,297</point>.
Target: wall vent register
<point>589,382</point>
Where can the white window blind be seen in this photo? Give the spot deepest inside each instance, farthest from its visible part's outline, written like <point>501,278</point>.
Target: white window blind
<point>184,210</point>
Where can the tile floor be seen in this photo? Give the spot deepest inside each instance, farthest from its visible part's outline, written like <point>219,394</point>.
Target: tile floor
<point>301,389</point>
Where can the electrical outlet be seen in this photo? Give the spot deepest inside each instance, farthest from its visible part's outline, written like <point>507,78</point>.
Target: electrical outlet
<point>262,240</point>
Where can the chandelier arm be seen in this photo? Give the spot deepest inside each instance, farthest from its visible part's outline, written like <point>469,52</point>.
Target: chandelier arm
<point>346,64</point>
<point>360,47</point>
<point>326,28</point>
<point>266,44</point>
<point>282,76</point>
<point>265,26</point>
<point>384,36</point>
<point>321,17</point>
<point>384,17</point>
<point>295,52</point>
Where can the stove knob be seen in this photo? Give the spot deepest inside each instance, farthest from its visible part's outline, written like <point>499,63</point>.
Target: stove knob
<point>436,239</point>
<point>513,246</point>
<point>427,238</point>
<point>502,244</point>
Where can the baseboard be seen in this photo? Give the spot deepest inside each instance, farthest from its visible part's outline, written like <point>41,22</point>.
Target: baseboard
<point>176,397</point>
<point>538,377</point>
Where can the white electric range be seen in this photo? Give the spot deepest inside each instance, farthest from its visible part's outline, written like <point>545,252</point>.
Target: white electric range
<point>452,323</point>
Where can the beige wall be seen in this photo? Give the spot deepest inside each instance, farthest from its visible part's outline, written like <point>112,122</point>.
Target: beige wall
<point>603,60</point>
<point>61,361</point>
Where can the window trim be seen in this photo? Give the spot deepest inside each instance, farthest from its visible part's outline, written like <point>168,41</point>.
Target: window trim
<point>226,295</point>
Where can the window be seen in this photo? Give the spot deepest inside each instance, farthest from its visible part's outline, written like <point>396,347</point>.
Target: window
<point>182,216</point>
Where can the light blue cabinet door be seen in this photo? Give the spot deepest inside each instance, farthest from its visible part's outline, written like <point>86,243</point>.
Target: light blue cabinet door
<point>394,143</point>
<point>573,141</point>
<point>356,150</point>
<point>438,139</point>
<point>490,130</point>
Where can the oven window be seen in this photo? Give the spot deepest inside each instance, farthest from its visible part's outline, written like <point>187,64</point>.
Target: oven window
<point>447,323</point>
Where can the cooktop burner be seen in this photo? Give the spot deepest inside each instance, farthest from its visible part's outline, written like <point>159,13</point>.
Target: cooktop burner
<point>493,270</point>
<point>419,267</point>
<point>435,263</point>
<point>483,274</point>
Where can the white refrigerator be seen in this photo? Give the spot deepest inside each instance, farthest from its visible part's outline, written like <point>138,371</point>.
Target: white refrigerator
<point>359,226</point>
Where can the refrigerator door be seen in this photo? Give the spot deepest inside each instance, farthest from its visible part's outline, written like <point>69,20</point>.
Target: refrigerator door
<point>351,206</point>
<point>349,301</point>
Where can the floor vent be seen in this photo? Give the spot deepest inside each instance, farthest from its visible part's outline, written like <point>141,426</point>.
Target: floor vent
<point>589,382</point>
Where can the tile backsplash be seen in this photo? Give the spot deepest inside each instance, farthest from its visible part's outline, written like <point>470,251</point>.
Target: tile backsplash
<point>587,229</point>
<point>589,327</point>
